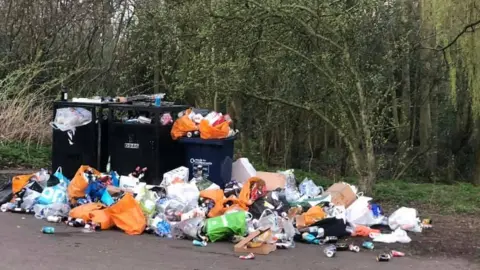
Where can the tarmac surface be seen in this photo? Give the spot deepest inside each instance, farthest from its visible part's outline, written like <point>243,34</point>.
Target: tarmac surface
<point>25,247</point>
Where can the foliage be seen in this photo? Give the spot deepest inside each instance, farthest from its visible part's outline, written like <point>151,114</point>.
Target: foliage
<point>375,89</point>
<point>24,155</point>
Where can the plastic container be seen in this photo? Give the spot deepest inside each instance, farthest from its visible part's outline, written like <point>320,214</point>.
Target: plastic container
<point>215,156</point>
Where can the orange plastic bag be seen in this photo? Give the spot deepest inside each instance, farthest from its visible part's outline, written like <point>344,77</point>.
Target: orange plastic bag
<point>78,185</point>
<point>246,189</point>
<point>83,211</point>
<point>102,218</point>
<point>217,132</point>
<point>127,215</point>
<point>19,181</point>
<point>182,126</point>
<point>314,215</point>
<point>217,196</point>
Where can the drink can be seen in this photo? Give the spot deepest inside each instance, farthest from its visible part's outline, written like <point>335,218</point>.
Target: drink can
<point>395,253</point>
<point>48,230</point>
<point>341,246</point>
<point>54,219</point>
<point>383,257</point>
<point>250,256</point>
<point>354,248</point>
<point>330,239</point>
<point>199,243</point>
<point>330,251</point>
<point>368,245</point>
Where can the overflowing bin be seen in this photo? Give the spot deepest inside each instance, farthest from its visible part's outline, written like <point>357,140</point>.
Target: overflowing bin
<point>215,157</point>
<point>140,136</point>
<point>88,144</point>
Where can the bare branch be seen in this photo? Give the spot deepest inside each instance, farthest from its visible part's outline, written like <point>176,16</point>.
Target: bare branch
<point>465,30</point>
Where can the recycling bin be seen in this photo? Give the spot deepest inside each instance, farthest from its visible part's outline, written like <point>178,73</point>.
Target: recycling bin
<point>87,146</point>
<point>146,143</point>
<point>215,156</point>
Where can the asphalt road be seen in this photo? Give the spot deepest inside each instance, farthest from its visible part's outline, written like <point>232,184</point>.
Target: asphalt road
<point>25,247</point>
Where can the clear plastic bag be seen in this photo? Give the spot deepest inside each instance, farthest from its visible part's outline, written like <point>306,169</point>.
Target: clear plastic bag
<point>309,189</point>
<point>187,193</point>
<point>406,219</point>
<point>56,209</point>
<point>291,191</point>
<point>30,199</point>
<point>70,118</point>
<point>189,229</point>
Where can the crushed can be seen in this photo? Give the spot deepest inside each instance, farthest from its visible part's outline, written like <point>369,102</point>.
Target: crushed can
<point>395,253</point>
<point>368,245</point>
<point>250,256</point>
<point>48,230</point>
<point>354,248</point>
<point>330,251</point>
<point>383,257</point>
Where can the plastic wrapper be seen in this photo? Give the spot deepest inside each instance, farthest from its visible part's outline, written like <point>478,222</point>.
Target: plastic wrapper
<point>309,189</point>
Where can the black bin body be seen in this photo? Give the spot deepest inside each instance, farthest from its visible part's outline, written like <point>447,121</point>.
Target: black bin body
<point>90,142</point>
<point>144,145</point>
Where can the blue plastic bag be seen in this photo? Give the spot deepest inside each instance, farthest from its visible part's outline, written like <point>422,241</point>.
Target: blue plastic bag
<point>61,177</point>
<point>55,194</point>
<point>107,198</point>
<point>115,179</point>
<point>95,190</point>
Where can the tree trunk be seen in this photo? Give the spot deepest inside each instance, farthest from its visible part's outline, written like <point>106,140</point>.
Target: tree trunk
<point>476,175</point>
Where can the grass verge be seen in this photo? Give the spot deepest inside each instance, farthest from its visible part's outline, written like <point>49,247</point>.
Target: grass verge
<point>23,155</point>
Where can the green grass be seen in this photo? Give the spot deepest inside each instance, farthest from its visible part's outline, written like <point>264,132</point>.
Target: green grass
<point>23,155</point>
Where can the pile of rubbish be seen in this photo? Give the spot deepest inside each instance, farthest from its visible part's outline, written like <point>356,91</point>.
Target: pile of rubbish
<point>257,211</point>
<point>204,124</point>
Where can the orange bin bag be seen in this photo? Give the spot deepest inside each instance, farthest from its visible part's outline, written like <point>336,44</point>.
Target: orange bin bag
<point>83,211</point>
<point>217,196</point>
<point>127,215</point>
<point>102,218</point>
<point>182,126</point>
<point>314,215</point>
<point>217,132</point>
<point>235,204</point>
<point>244,195</point>
<point>19,181</point>
<point>78,185</point>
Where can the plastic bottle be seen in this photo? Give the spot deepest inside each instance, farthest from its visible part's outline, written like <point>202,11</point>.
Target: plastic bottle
<point>48,230</point>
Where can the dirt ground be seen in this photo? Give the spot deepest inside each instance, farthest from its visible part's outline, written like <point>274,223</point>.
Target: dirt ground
<point>452,237</point>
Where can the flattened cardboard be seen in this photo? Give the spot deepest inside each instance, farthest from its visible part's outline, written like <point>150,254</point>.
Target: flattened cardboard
<point>272,180</point>
<point>264,249</point>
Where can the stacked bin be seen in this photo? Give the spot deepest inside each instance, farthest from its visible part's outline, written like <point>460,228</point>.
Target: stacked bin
<point>144,145</point>
<point>90,142</point>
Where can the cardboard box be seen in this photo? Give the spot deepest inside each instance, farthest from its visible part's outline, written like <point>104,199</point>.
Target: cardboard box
<point>242,170</point>
<point>264,249</point>
<point>342,194</point>
<point>273,180</point>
